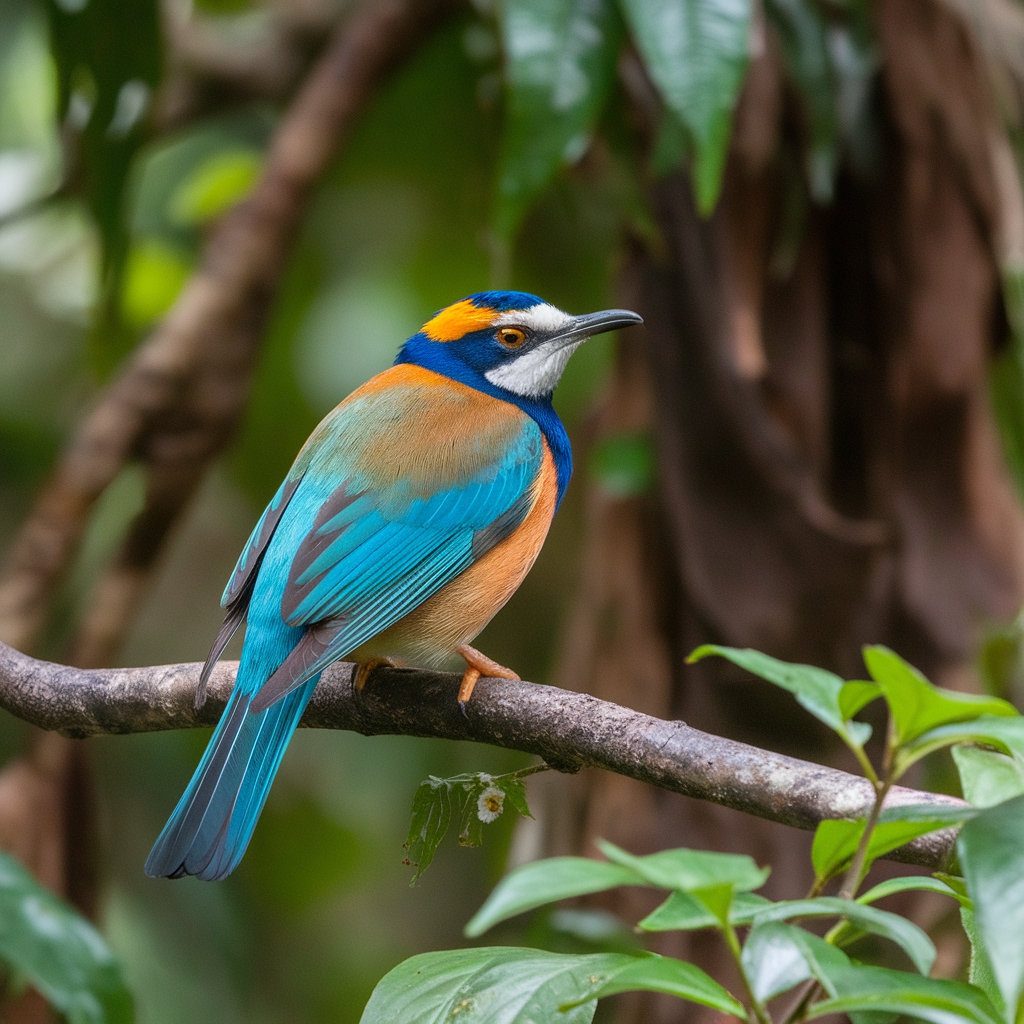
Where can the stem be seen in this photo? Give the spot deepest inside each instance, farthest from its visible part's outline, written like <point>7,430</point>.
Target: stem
<point>759,1012</point>
<point>853,874</point>
<point>866,766</point>
<point>803,998</point>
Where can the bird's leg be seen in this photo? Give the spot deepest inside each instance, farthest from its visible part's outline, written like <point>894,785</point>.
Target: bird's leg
<point>364,668</point>
<point>478,665</point>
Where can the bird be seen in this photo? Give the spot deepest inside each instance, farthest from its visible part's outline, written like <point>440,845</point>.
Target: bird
<point>410,516</point>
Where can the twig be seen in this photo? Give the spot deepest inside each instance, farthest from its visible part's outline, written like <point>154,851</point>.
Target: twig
<point>568,730</point>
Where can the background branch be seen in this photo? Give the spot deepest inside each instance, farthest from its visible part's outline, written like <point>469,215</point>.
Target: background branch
<point>568,730</point>
<point>177,400</point>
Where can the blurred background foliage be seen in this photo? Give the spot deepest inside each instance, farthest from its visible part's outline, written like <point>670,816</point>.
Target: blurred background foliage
<point>322,907</point>
<point>458,176</point>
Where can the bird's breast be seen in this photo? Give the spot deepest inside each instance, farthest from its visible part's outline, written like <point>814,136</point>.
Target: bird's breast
<point>459,611</point>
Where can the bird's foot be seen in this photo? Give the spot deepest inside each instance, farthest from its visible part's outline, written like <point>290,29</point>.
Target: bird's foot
<point>364,668</point>
<point>478,665</point>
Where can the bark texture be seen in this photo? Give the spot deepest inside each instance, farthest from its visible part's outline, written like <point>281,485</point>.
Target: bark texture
<point>568,730</point>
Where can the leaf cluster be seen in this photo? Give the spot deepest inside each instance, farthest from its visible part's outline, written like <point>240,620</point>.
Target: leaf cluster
<point>773,944</point>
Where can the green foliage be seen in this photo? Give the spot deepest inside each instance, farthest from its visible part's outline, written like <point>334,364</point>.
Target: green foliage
<point>831,61</point>
<point>715,891</point>
<point>475,799</point>
<point>696,53</point>
<point>991,852</point>
<point>624,464</point>
<point>1006,377</point>
<point>215,186</point>
<point>560,58</point>
<point>821,693</point>
<point>58,952</point>
<point>918,707</point>
<point>108,58</point>
<point>837,842</point>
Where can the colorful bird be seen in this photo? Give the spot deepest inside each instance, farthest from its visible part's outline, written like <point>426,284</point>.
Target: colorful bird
<point>409,517</point>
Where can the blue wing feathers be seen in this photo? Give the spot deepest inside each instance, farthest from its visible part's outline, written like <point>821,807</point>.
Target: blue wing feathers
<point>340,554</point>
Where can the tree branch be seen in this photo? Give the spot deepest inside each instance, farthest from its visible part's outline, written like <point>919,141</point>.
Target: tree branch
<point>568,730</point>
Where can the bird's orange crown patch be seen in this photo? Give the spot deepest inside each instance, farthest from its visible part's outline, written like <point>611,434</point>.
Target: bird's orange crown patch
<point>457,320</point>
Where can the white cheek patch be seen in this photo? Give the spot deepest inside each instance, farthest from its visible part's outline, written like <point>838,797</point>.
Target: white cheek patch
<point>535,373</point>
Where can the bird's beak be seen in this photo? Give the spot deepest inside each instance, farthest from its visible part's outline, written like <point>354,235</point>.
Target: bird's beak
<point>583,327</point>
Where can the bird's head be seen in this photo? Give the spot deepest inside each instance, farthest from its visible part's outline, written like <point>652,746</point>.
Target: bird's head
<point>509,342</point>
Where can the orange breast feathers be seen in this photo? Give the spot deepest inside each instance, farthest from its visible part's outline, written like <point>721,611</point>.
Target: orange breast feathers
<point>456,614</point>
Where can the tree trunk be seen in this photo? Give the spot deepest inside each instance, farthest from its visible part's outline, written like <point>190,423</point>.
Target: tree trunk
<point>830,471</point>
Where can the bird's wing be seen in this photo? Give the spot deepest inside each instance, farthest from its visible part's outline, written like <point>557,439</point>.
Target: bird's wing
<point>238,592</point>
<point>403,489</point>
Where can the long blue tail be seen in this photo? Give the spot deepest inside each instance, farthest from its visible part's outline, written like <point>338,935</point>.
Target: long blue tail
<point>210,828</point>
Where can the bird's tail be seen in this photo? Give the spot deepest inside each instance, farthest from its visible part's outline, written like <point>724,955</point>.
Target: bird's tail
<point>210,828</point>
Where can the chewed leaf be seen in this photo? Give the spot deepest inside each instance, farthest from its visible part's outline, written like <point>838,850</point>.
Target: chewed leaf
<point>475,799</point>
<point>431,816</point>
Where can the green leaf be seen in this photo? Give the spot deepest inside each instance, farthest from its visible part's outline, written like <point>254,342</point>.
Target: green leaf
<point>690,870</point>
<point>669,976</point>
<point>1003,731</point>
<point>980,972</point>
<point>476,798</point>
<point>988,778</point>
<point>682,912</point>
<point>546,881</point>
<point>624,464</point>
<point>923,883</point>
<point>58,951</point>
<point>696,53</point>
<point>835,842</point>
<point>431,816</point>
<point>773,962</point>
<point>991,852</point>
<point>1006,379</point>
<point>914,942</point>
<point>106,78</point>
<point>154,276</point>
<point>496,984</point>
<point>879,989</point>
<point>818,691</point>
<point>916,705</point>
<point>803,33</point>
<point>560,58</point>
<point>856,695</point>
<point>215,186</point>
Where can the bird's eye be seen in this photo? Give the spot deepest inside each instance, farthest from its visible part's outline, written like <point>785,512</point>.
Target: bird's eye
<point>511,337</point>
